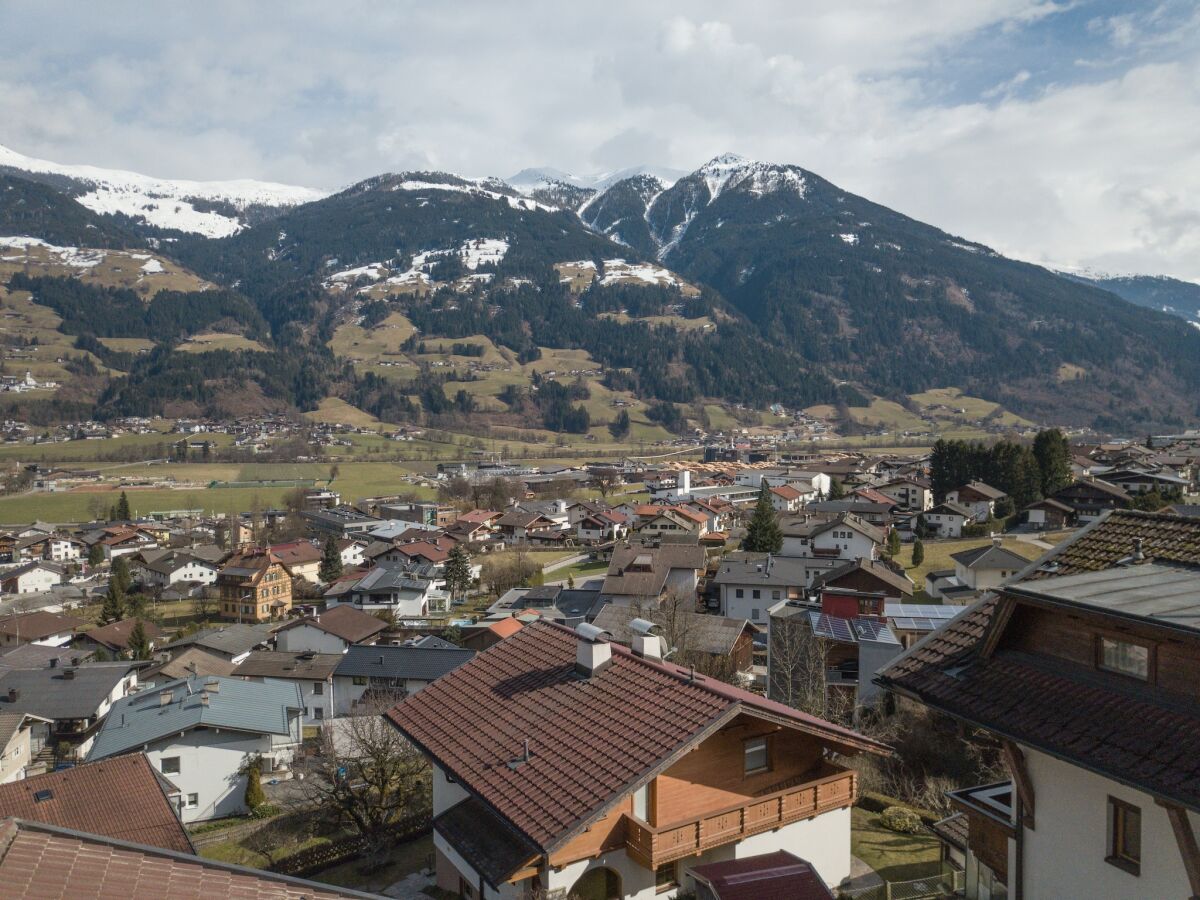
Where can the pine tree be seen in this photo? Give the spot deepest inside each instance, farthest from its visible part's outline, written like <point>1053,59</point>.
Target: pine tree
<point>458,571</point>
<point>836,490</point>
<point>123,514</point>
<point>254,792</point>
<point>893,543</point>
<point>918,554</point>
<point>763,534</point>
<point>139,643</point>
<point>1053,455</point>
<point>113,609</point>
<point>120,574</point>
<point>331,562</point>
<point>95,554</point>
<point>619,427</point>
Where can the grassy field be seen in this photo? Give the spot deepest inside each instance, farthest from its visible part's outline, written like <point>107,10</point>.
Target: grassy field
<point>339,412</point>
<point>896,857</point>
<point>214,340</point>
<point>938,553</point>
<point>579,571</point>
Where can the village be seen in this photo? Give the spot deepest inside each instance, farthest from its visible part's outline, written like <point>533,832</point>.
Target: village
<point>626,678</point>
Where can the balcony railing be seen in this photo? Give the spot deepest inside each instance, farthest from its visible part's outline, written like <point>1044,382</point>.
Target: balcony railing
<point>652,846</point>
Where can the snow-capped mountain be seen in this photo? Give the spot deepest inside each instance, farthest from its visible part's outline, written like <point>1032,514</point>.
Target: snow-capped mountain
<point>209,208</point>
<point>528,180</point>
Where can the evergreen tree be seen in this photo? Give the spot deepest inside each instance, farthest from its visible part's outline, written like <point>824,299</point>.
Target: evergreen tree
<point>123,514</point>
<point>763,534</point>
<point>458,571</point>
<point>1053,455</point>
<point>139,643</point>
<point>255,797</point>
<point>619,427</point>
<point>95,555</point>
<point>893,543</point>
<point>331,562</point>
<point>836,490</point>
<point>120,574</point>
<point>918,554</point>
<point>113,609</point>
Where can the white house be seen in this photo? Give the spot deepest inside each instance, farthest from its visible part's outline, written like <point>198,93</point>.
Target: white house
<point>311,674</point>
<point>910,493</point>
<point>31,578</point>
<point>841,537</point>
<point>948,519</point>
<point>17,743</point>
<point>978,497</point>
<point>64,549</point>
<point>367,675</point>
<point>199,733</point>
<point>331,631</point>
<point>173,567</point>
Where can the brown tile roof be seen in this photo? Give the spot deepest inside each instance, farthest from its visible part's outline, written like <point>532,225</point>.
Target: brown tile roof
<point>591,740</point>
<point>485,841</point>
<point>179,666</point>
<point>39,624</point>
<point>120,797</point>
<point>116,634</point>
<point>1131,735</point>
<point>623,581</point>
<point>350,624</point>
<point>297,552</point>
<point>39,860</point>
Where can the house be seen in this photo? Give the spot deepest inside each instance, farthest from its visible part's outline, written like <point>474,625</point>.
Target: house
<point>1136,481</point>
<point>113,638</point>
<point>870,575</point>
<point>331,631</point>
<point>785,498</point>
<point>640,573</point>
<point>17,745</point>
<point>549,601</point>
<point>601,526</point>
<point>389,590</point>
<point>1103,798</point>
<point>984,568</point>
<point>351,551</point>
<point>747,588</point>
<point>880,514</point>
<point>727,643</point>
<point>122,541</point>
<point>368,677</point>
<point>94,866</point>
<point>302,558</point>
<point>61,548</point>
<point>1090,497</point>
<point>123,798</point>
<point>519,809</point>
<point>31,578</point>
<point>948,519</point>
<point>39,627</point>
<point>489,632</point>
<point>75,700</point>
<point>254,586</point>
<point>229,642</point>
<point>200,732</point>
<point>672,521</point>
<point>912,621</point>
<point>163,568</point>
<point>910,493</point>
<point>1048,514</point>
<point>978,497</point>
<point>187,661</point>
<point>519,526</point>
<point>842,643</point>
<point>843,536</point>
<point>311,674</point>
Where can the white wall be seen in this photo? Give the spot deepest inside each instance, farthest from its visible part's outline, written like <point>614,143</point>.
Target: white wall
<point>208,764</point>
<point>1064,856</point>
<point>305,637</point>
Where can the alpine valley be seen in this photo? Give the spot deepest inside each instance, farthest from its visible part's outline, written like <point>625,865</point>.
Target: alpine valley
<point>550,302</point>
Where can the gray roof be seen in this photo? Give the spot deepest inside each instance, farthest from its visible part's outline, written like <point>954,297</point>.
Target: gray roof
<point>707,634</point>
<point>417,663</point>
<point>1167,595</point>
<point>232,640</point>
<point>767,570</point>
<point>302,665</point>
<point>259,707</point>
<point>52,694</point>
<point>990,556</point>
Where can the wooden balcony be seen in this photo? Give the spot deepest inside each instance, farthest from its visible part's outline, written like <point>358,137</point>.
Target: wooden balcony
<point>654,845</point>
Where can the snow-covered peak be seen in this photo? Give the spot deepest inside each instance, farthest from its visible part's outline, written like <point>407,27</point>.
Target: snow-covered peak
<point>729,170</point>
<point>162,202</point>
<point>528,180</point>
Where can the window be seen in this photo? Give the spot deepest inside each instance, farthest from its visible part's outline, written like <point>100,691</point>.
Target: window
<point>318,687</point>
<point>169,765</point>
<point>1124,836</point>
<point>757,593</point>
<point>754,614</point>
<point>666,877</point>
<point>739,593</point>
<point>360,680</point>
<point>774,595</point>
<point>1125,658</point>
<point>757,759</point>
<point>318,712</point>
<point>193,800</point>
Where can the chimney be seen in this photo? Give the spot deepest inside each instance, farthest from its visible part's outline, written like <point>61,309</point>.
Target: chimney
<point>164,699</point>
<point>69,674</point>
<point>646,643</point>
<point>593,653</point>
<point>995,539</point>
<point>14,694</point>
<point>204,698</point>
<point>1138,554</point>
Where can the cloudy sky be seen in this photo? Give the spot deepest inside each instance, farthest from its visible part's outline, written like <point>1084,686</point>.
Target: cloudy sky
<point>1059,131</point>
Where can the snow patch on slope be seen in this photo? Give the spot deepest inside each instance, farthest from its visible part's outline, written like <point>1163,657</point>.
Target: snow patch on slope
<point>729,171</point>
<point>166,203</point>
<point>515,202</point>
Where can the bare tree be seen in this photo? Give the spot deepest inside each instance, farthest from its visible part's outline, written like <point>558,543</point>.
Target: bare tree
<point>367,776</point>
<point>798,670</point>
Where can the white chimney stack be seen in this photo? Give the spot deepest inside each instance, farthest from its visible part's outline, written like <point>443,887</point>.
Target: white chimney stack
<point>646,643</point>
<point>592,651</point>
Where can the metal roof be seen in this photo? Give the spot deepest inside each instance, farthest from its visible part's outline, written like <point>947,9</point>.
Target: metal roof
<point>1164,594</point>
<point>52,694</point>
<point>417,663</point>
<point>253,706</point>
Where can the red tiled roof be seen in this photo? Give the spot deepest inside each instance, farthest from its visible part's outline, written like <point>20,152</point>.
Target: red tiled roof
<point>343,621</point>
<point>591,740</point>
<point>120,798</point>
<point>38,860</point>
<point>116,634</point>
<point>505,627</point>
<point>297,552</point>
<point>32,626</point>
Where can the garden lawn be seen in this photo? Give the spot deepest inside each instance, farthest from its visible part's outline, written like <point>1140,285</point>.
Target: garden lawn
<point>896,857</point>
<point>938,553</point>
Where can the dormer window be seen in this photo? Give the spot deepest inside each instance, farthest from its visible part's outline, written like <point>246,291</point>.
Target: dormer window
<point>1124,658</point>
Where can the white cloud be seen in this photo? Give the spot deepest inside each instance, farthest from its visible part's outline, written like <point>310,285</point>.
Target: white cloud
<point>1095,168</point>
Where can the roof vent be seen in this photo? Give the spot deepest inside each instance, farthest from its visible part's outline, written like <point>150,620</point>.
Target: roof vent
<point>525,757</point>
<point>204,698</point>
<point>14,694</point>
<point>646,643</point>
<point>212,686</point>
<point>69,674</point>
<point>593,653</point>
<point>165,698</point>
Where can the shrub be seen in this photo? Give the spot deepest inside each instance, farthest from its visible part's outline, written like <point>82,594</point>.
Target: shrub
<point>265,811</point>
<point>254,792</point>
<point>900,819</point>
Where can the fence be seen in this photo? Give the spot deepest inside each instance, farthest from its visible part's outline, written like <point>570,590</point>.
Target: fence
<point>323,856</point>
<point>945,883</point>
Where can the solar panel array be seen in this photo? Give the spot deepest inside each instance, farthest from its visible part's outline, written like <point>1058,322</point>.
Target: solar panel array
<point>920,616</point>
<point>831,627</point>
<point>874,630</point>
